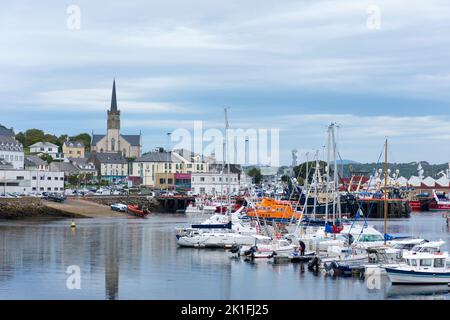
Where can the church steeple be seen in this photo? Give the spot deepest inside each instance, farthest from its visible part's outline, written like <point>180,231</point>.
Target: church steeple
<point>113,113</point>
<point>113,98</point>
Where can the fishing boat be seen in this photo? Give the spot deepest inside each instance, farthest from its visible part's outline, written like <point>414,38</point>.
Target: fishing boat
<point>138,211</point>
<point>441,202</point>
<point>272,210</point>
<point>421,268</point>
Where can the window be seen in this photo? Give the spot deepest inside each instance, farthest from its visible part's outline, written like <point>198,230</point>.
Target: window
<point>49,178</point>
<point>426,262</point>
<point>34,177</point>
<point>202,179</point>
<point>78,152</point>
<point>56,189</point>
<point>34,188</point>
<point>49,189</point>
<point>41,188</point>
<point>439,263</point>
<point>20,178</point>
<point>113,144</point>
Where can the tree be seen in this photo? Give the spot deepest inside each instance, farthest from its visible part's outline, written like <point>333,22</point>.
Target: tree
<point>32,136</point>
<point>300,170</point>
<point>255,174</point>
<point>46,157</point>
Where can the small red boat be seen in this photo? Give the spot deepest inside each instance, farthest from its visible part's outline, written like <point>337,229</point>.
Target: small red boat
<point>138,211</point>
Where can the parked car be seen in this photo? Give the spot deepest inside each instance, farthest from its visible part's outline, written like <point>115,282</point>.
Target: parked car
<point>56,197</point>
<point>120,207</point>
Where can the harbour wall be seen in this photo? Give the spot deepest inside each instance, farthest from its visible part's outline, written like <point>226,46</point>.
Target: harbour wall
<point>28,207</point>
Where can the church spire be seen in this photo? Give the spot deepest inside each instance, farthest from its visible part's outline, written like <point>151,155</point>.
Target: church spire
<point>113,98</point>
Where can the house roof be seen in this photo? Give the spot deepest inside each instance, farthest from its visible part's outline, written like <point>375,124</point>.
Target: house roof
<point>10,144</point>
<point>74,144</point>
<point>6,132</point>
<point>43,145</point>
<point>33,160</point>
<point>218,167</point>
<point>114,158</point>
<point>133,139</point>
<point>96,138</point>
<point>158,157</point>
<point>65,167</point>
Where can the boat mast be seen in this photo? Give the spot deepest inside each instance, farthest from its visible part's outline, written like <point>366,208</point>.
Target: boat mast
<point>227,127</point>
<point>385,190</point>
<point>327,177</point>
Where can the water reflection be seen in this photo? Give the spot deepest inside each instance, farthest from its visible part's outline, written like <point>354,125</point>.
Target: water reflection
<point>139,259</point>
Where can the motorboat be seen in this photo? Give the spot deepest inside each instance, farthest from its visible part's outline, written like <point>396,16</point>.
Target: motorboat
<point>214,239</point>
<point>138,211</point>
<point>266,248</point>
<point>421,268</point>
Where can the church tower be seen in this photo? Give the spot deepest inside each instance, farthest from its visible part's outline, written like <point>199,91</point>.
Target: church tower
<point>113,132</point>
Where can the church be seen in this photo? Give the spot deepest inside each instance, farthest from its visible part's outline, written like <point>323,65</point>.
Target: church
<point>114,142</point>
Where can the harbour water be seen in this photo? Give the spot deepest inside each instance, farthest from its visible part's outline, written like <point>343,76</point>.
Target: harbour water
<point>128,258</point>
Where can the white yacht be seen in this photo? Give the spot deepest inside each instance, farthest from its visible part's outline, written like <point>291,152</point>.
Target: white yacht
<point>266,248</point>
<point>421,268</point>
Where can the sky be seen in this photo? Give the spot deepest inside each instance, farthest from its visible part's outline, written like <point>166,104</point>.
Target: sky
<point>377,68</point>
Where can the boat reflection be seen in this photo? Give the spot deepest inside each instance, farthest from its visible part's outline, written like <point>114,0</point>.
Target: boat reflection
<point>425,292</point>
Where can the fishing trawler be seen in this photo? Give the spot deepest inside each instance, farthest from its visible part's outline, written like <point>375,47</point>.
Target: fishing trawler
<point>441,202</point>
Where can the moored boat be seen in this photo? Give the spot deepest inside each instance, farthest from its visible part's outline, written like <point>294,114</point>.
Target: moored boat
<point>138,211</point>
<point>426,265</point>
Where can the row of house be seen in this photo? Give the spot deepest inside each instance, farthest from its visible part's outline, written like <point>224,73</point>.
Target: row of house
<point>24,174</point>
<point>70,149</point>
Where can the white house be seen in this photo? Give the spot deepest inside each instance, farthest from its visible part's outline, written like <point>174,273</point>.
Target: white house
<point>27,181</point>
<point>215,184</point>
<point>47,148</point>
<point>11,150</point>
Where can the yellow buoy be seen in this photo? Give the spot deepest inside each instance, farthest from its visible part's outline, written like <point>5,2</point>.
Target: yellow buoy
<point>73,225</point>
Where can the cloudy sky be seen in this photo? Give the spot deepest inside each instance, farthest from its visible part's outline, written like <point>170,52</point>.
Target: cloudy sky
<point>293,65</point>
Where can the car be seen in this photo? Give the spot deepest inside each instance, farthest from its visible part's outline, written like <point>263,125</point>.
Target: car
<point>120,207</point>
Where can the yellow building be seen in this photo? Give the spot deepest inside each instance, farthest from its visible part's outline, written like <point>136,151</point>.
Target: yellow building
<point>73,149</point>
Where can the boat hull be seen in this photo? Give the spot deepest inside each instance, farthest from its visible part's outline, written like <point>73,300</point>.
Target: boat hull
<point>215,241</point>
<point>417,277</point>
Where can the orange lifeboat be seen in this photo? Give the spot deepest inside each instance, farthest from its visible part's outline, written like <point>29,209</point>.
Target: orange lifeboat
<point>274,211</point>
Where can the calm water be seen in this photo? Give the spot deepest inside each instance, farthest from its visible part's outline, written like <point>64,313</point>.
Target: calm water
<point>127,258</point>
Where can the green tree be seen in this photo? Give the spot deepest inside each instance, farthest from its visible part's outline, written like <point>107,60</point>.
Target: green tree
<point>32,136</point>
<point>255,174</point>
<point>21,138</point>
<point>46,157</point>
<point>300,170</point>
